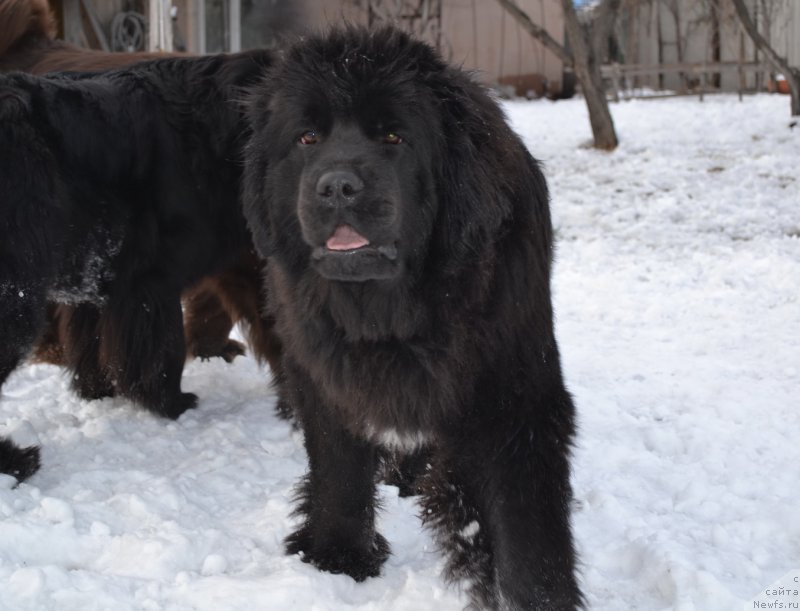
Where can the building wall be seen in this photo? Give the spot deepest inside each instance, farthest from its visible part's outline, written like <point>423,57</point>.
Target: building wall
<point>73,26</point>
<point>485,38</point>
<point>477,35</point>
<point>190,24</point>
<point>791,34</point>
<point>640,31</point>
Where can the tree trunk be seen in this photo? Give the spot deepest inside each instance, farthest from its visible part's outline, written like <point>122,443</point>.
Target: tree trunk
<point>792,75</point>
<point>583,61</point>
<point>675,9</point>
<point>716,45</point>
<point>588,72</point>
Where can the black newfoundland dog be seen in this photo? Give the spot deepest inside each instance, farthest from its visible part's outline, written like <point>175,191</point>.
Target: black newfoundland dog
<point>117,192</point>
<point>410,246</point>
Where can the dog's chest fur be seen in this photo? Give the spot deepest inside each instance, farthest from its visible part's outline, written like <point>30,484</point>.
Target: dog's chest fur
<point>395,391</point>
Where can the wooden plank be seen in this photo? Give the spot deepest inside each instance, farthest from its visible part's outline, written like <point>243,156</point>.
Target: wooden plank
<point>160,26</point>
<point>73,28</point>
<point>95,23</point>
<point>629,70</point>
<point>235,21</point>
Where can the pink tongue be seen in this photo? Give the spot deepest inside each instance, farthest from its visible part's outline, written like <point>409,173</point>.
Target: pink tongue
<point>346,238</point>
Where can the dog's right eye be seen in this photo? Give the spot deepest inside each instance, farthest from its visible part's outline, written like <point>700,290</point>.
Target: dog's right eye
<point>309,137</point>
<point>392,138</point>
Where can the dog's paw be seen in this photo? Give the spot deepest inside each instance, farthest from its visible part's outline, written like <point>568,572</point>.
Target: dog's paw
<point>357,562</point>
<point>227,350</point>
<point>184,401</point>
<point>231,350</point>
<point>92,387</point>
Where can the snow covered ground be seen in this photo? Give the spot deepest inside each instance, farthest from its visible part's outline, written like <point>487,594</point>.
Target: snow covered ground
<point>676,290</point>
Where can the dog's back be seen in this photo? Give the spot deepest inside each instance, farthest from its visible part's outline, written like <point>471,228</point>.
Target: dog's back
<point>121,190</point>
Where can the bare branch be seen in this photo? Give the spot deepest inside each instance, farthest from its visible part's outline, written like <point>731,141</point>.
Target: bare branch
<point>792,75</point>
<point>538,32</point>
<point>776,60</point>
<point>604,17</point>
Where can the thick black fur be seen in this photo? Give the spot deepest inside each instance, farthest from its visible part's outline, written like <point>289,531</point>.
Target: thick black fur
<point>28,43</point>
<point>16,461</point>
<point>118,191</point>
<point>437,333</point>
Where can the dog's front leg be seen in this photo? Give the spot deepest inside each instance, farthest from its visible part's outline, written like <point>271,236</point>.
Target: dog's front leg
<point>143,348</point>
<point>337,497</point>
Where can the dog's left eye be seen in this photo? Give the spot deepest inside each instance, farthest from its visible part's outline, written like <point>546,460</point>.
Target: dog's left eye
<point>309,137</point>
<point>392,138</point>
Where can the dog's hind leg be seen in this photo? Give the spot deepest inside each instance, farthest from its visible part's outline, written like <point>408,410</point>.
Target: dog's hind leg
<point>22,312</point>
<point>50,345</point>
<point>21,317</point>
<point>79,326</point>
<point>499,496</point>
<point>208,325</point>
<point>142,347</point>
<point>30,219</point>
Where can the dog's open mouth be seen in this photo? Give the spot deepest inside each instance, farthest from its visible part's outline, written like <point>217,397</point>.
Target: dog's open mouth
<point>346,238</point>
<point>350,256</point>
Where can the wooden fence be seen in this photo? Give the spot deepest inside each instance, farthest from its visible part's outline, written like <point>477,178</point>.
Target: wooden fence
<point>696,77</point>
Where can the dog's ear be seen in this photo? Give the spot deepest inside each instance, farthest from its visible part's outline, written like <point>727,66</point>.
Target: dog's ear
<point>254,200</point>
<point>239,74</point>
<point>258,100</point>
<point>488,182</point>
<point>15,103</point>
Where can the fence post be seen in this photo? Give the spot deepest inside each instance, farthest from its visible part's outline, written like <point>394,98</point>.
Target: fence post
<point>703,82</point>
<point>160,26</point>
<point>615,80</point>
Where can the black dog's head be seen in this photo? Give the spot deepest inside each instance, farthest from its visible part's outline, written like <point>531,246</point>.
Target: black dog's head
<point>358,179</point>
<point>346,136</point>
<point>372,159</point>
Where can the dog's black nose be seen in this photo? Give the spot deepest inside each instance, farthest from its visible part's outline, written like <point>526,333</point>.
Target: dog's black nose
<point>339,184</point>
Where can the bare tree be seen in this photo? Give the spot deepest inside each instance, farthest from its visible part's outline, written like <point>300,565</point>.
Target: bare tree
<point>780,63</point>
<point>583,59</point>
<point>537,32</point>
<point>715,42</point>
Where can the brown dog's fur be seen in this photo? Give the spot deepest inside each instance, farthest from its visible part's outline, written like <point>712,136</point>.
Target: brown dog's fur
<point>28,43</point>
<point>213,305</point>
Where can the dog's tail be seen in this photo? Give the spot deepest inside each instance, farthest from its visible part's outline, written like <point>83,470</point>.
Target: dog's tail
<point>24,20</point>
